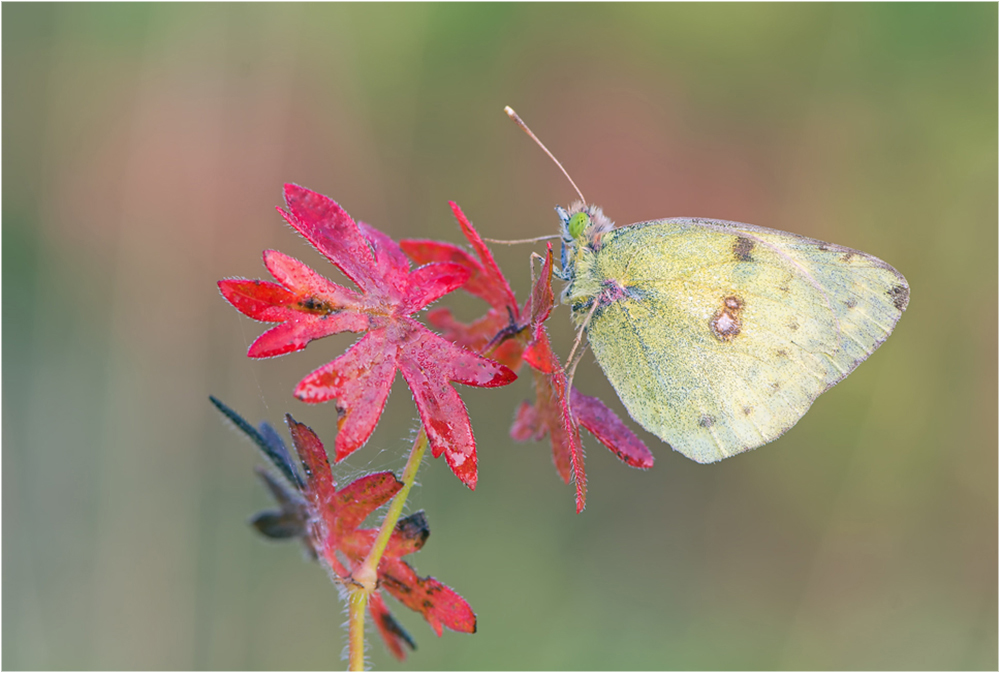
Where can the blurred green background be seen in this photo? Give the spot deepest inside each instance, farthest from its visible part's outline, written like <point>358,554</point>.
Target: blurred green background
<point>144,150</point>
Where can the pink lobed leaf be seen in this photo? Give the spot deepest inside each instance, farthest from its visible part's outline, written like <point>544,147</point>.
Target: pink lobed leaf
<point>485,278</point>
<point>440,605</point>
<point>360,381</point>
<point>390,261</point>
<point>296,333</point>
<point>542,297</point>
<point>307,285</point>
<point>258,299</point>
<point>500,294</point>
<point>392,632</point>
<point>309,306</point>
<point>605,425</point>
<point>319,478</point>
<point>363,496</point>
<point>332,232</point>
<point>431,282</point>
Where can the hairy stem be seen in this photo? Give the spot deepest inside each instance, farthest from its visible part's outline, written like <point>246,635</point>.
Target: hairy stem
<point>357,601</point>
<point>363,580</point>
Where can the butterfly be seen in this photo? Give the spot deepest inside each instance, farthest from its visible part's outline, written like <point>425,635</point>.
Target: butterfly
<point>718,336</point>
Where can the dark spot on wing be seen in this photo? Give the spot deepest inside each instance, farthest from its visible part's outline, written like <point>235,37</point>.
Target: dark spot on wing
<point>781,353</point>
<point>726,324</point>
<point>824,246</point>
<point>747,411</point>
<point>900,296</point>
<point>742,248</point>
<point>847,256</point>
<point>784,288</point>
<point>775,386</point>
<point>793,326</point>
<point>851,303</point>
<point>706,421</point>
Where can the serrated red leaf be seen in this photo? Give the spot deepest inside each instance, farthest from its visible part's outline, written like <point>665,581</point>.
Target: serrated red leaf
<point>527,424</point>
<point>309,307</point>
<point>390,261</point>
<point>542,297</point>
<point>334,517</point>
<point>610,430</point>
<point>362,497</point>
<point>440,605</point>
<point>392,632</point>
<point>359,380</point>
<point>501,296</point>
<point>319,478</point>
<point>538,353</point>
<point>485,278</point>
<point>333,233</point>
<point>431,282</point>
<point>259,299</point>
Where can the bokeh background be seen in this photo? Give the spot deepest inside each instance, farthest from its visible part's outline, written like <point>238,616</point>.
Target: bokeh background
<point>144,151</point>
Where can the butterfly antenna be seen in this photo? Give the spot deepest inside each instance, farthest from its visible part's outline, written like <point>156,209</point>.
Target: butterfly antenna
<point>517,120</point>
<point>522,240</point>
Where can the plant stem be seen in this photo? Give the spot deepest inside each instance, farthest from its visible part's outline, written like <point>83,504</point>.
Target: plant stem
<point>363,580</point>
<point>357,601</point>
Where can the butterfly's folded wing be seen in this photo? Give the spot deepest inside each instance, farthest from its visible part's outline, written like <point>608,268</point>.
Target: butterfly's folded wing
<point>718,336</point>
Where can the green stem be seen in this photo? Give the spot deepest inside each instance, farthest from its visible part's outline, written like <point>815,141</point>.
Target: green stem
<point>396,507</point>
<point>357,602</point>
<point>363,580</point>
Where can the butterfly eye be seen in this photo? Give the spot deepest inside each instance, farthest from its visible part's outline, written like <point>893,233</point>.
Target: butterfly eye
<point>577,224</point>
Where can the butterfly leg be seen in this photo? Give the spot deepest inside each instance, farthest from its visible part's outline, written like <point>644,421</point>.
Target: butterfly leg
<point>574,358</point>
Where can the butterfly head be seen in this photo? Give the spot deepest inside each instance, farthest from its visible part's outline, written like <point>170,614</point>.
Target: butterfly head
<point>582,224</point>
<point>581,228</point>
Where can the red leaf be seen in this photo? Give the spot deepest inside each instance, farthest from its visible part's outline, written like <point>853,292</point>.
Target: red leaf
<point>538,353</point>
<point>431,282</point>
<point>485,279</point>
<point>542,297</point>
<point>299,278</point>
<point>550,415</point>
<point>309,307</point>
<point>332,232</point>
<point>610,430</point>
<point>258,299</point>
<point>362,497</point>
<point>326,520</point>
<point>482,335</point>
<point>389,259</point>
<point>527,424</point>
<point>360,381</point>
<point>439,604</point>
<point>319,478</point>
<point>393,633</point>
<point>434,362</point>
<point>498,289</point>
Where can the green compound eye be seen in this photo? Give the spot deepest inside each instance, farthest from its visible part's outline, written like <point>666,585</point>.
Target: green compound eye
<point>577,224</point>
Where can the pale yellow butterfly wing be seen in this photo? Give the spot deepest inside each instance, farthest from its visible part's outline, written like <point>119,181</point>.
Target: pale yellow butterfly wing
<point>718,336</point>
